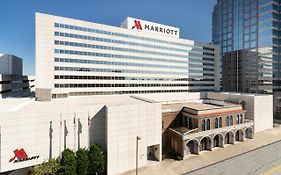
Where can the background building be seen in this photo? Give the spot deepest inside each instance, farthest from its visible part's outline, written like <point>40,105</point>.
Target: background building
<point>85,58</point>
<point>12,82</point>
<point>248,33</point>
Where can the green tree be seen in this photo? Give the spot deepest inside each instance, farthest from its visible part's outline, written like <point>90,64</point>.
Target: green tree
<point>50,167</point>
<point>68,162</point>
<point>82,161</point>
<point>97,160</point>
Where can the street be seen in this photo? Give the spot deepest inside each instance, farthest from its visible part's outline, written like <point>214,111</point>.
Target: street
<point>261,161</point>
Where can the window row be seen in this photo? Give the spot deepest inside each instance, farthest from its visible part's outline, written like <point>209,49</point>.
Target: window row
<point>79,77</point>
<point>92,30</point>
<point>83,69</point>
<point>117,85</point>
<point>75,52</point>
<point>93,46</point>
<point>86,37</point>
<point>117,92</point>
<point>83,61</point>
<point>126,85</point>
<point>218,122</point>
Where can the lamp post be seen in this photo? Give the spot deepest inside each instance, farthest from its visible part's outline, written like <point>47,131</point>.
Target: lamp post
<point>137,150</point>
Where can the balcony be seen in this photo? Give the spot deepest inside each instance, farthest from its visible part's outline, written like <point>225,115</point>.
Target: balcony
<point>194,133</point>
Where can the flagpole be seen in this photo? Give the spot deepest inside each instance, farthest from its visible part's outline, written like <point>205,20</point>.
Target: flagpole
<point>60,136</point>
<point>74,132</point>
<point>89,131</point>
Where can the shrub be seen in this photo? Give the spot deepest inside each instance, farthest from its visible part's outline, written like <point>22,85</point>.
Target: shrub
<point>97,160</point>
<point>82,161</point>
<point>50,167</point>
<point>68,162</point>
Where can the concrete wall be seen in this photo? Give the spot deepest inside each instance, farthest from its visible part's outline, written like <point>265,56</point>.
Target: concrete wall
<point>258,107</point>
<point>44,133</point>
<point>124,124</point>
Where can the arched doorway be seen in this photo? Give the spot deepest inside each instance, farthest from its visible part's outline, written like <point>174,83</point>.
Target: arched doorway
<point>229,138</point>
<point>239,135</point>
<point>206,144</point>
<point>249,133</point>
<point>218,141</point>
<point>192,147</point>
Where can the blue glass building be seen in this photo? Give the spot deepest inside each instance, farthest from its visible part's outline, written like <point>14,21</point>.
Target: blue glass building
<point>248,32</point>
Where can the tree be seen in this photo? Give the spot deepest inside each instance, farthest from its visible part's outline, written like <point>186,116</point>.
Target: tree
<point>50,167</point>
<point>68,162</point>
<point>82,161</point>
<point>97,160</point>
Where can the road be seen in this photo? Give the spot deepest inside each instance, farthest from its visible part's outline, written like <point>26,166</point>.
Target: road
<point>261,161</point>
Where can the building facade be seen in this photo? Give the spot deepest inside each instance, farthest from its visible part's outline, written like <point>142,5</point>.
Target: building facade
<point>248,32</point>
<point>204,126</point>
<point>85,58</point>
<point>12,81</point>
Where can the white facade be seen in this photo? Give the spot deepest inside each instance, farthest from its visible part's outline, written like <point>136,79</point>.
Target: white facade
<point>258,107</point>
<point>44,129</point>
<point>75,58</point>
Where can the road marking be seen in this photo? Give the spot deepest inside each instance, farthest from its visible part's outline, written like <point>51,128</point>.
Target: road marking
<point>272,170</point>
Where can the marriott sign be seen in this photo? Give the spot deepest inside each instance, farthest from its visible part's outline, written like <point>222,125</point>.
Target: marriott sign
<point>146,26</point>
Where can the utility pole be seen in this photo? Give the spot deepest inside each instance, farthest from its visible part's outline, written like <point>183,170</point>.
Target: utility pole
<point>137,151</point>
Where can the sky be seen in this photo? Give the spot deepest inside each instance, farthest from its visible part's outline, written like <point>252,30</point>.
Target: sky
<point>17,19</point>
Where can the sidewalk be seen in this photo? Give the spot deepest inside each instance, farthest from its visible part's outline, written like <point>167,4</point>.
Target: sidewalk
<point>172,167</point>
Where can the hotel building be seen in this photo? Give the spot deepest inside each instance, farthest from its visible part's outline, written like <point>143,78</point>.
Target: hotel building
<point>157,77</point>
<point>76,58</point>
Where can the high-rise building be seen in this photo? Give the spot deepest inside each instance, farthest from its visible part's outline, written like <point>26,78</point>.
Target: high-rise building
<point>248,32</point>
<point>75,58</point>
<point>12,82</point>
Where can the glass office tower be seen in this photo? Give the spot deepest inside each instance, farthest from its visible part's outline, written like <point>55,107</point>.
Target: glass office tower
<point>248,32</point>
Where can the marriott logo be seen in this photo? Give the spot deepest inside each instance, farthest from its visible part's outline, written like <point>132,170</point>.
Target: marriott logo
<point>20,156</point>
<point>140,25</point>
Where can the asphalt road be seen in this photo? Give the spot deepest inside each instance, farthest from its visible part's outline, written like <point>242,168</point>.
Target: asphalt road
<point>262,161</point>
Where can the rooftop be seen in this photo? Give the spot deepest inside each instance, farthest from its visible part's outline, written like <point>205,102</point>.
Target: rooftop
<point>202,106</point>
<point>27,104</point>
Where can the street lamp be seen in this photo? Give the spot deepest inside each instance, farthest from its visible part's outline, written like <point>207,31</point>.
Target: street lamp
<point>137,150</point>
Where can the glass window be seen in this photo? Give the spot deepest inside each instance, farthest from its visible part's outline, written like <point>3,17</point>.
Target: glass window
<point>220,122</point>
<point>203,125</point>
<point>231,120</point>
<point>227,121</point>
<point>216,122</point>
<point>208,124</point>
<point>237,119</point>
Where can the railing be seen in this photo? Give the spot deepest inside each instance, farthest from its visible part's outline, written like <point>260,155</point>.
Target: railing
<point>187,136</point>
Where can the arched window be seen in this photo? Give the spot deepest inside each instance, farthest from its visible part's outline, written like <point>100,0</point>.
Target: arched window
<point>237,119</point>
<point>241,119</point>
<point>203,125</point>
<point>227,121</point>
<point>208,124</point>
<point>231,120</point>
<point>220,122</point>
<point>216,122</point>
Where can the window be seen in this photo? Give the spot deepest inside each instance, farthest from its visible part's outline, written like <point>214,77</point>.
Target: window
<point>237,119</point>
<point>216,123</point>
<point>227,121</point>
<point>208,124</point>
<point>220,122</point>
<point>231,120</point>
<point>203,125</point>
<point>241,119</point>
